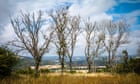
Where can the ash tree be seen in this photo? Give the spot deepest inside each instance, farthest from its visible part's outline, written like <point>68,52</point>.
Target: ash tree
<point>75,30</point>
<point>89,29</point>
<point>97,45</point>
<point>28,28</point>
<point>116,35</point>
<point>60,21</point>
<point>94,42</point>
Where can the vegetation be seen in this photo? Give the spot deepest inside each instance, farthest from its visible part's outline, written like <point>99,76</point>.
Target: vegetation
<point>74,79</point>
<point>8,60</point>
<point>133,65</point>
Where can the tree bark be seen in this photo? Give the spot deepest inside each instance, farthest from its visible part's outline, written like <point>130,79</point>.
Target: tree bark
<point>109,59</point>
<point>36,74</point>
<point>89,68</point>
<point>70,59</point>
<point>62,65</point>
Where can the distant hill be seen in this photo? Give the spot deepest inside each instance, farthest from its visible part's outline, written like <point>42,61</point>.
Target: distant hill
<point>25,61</point>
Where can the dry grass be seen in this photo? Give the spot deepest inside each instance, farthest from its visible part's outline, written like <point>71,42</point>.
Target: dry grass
<point>56,78</point>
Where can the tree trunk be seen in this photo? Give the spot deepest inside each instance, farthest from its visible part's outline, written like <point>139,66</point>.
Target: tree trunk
<point>62,65</point>
<point>36,68</point>
<point>109,59</point>
<point>94,66</point>
<point>89,68</point>
<point>70,64</point>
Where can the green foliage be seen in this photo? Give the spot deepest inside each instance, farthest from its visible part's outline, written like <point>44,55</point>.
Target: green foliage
<point>7,62</point>
<point>45,71</point>
<point>100,70</point>
<point>25,71</point>
<point>121,68</point>
<point>133,65</point>
<point>73,71</point>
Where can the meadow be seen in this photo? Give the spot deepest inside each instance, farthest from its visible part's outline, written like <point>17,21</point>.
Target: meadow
<point>76,78</point>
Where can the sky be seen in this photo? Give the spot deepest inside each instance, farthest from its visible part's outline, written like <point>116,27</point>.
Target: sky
<point>96,9</point>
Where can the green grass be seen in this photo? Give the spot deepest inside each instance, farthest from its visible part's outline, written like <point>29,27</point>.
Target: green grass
<point>73,79</point>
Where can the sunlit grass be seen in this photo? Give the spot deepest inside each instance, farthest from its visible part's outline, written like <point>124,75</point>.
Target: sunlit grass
<point>56,78</point>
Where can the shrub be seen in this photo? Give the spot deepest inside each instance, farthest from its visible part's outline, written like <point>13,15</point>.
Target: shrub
<point>133,65</point>
<point>7,62</point>
<point>25,71</point>
<point>73,71</point>
<point>45,71</point>
<point>100,70</point>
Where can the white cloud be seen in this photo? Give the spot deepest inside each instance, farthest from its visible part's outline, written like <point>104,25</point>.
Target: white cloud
<point>129,1</point>
<point>134,13</point>
<point>134,38</point>
<point>131,17</point>
<point>89,8</point>
<point>7,34</point>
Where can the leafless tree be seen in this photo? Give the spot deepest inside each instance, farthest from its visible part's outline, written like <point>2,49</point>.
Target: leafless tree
<point>116,35</point>
<point>89,29</point>
<point>94,42</point>
<point>28,31</point>
<point>97,45</point>
<point>74,28</point>
<point>60,19</point>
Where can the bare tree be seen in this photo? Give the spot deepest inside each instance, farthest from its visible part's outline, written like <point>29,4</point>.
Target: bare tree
<point>116,35</point>
<point>60,19</point>
<point>28,31</point>
<point>97,45</point>
<point>89,28</point>
<point>74,28</point>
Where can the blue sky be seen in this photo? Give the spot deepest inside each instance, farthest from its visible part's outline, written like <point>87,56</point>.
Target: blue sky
<point>96,9</point>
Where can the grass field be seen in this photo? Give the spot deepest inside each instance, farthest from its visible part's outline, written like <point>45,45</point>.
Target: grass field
<point>77,78</point>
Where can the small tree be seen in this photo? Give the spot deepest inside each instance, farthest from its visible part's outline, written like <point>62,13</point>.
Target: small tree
<point>60,20</point>
<point>116,35</point>
<point>89,28</point>
<point>94,42</point>
<point>7,62</point>
<point>28,31</point>
<point>74,28</point>
<point>97,45</point>
<point>125,56</point>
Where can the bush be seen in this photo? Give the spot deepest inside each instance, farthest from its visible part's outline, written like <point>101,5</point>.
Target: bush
<point>25,71</point>
<point>7,62</point>
<point>133,65</point>
<point>73,71</point>
<point>100,70</point>
<point>45,71</point>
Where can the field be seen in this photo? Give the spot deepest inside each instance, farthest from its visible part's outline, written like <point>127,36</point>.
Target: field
<point>77,78</point>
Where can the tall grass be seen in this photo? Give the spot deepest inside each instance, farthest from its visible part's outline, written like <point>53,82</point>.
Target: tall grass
<point>73,79</point>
